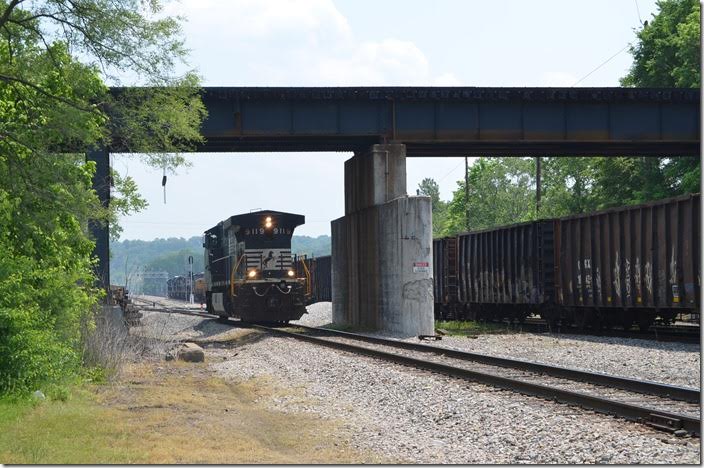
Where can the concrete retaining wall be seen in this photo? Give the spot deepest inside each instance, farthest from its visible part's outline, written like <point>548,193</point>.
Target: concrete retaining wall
<point>382,267</point>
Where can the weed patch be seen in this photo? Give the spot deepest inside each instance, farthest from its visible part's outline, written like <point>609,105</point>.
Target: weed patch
<point>463,328</point>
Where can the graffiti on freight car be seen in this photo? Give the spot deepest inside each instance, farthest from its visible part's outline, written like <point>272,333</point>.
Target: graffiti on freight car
<point>617,275</point>
<point>673,267</point>
<point>598,282</point>
<point>588,277</point>
<point>639,292</point>
<point>649,278</point>
<point>628,278</point>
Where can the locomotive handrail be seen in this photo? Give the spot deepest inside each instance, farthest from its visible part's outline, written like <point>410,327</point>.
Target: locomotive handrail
<point>309,290</point>
<point>232,275</point>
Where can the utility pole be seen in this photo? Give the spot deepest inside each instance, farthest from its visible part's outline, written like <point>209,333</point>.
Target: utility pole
<point>537,186</point>
<point>466,191</point>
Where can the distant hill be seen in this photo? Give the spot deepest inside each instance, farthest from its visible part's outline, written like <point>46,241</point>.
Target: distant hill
<point>171,255</point>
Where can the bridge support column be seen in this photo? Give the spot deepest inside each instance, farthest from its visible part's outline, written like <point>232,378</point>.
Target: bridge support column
<point>101,233</point>
<point>382,248</point>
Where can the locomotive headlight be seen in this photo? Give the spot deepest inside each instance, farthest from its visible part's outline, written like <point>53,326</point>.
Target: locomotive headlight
<point>291,273</point>
<point>267,222</point>
<point>252,273</point>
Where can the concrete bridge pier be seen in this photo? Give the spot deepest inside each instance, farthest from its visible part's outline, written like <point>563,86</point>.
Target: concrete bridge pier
<point>382,248</point>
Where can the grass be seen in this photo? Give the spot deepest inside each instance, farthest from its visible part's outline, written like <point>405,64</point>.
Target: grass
<point>77,430</point>
<point>171,412</point>
<point>470,328</point>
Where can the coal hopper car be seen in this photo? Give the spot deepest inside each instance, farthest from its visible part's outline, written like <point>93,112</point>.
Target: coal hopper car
<point>616,267</point>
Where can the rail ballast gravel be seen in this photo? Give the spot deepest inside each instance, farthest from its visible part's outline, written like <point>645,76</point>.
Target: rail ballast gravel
<point>659,419</point>
<point>674,392</point>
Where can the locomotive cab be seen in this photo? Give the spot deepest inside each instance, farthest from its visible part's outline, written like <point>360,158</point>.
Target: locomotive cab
<point>249,273</point>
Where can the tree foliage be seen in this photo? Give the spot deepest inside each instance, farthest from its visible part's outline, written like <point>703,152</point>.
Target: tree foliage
<point>502,191</point>
<point>499,193</point>
<point>430,188</point>
<point>668,51</point>
<point>54,105</point>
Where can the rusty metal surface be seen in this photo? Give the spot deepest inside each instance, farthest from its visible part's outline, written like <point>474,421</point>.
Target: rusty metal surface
<point>445,270</point>
<point>438,271</point>
<point>506,265</point>
<point>632,257</point>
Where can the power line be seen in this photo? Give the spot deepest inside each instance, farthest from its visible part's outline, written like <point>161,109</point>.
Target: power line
<point>600,65</point>
<point>638,10</point>
<point>453,170</point>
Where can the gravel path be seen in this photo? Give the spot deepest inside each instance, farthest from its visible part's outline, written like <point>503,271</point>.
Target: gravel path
<point>673,363</point>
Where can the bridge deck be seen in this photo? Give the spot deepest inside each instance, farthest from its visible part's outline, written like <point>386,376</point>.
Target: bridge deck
<point>456,121</point>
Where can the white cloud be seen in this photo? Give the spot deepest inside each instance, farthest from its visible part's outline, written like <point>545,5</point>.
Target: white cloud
<point>295,43</point>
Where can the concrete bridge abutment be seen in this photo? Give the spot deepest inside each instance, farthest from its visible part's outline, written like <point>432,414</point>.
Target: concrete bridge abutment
<point>382,248</point>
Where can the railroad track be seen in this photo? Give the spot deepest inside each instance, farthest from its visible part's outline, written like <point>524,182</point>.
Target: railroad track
<point>679,334</point>
<point>661,406</point>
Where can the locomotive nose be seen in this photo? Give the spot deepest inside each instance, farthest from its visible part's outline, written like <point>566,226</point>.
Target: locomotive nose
<point>273,303</point>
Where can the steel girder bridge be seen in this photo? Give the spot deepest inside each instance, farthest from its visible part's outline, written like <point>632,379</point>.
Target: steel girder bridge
<point>441,121</point>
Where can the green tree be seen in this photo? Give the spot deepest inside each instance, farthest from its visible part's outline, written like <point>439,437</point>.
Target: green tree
<point>430,188</point>
<point>501,191</point>
<point>54,55</point>
<point>668,52</point>
<point>567,186</point>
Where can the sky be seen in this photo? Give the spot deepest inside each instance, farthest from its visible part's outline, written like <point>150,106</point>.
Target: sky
<point>365,43</point>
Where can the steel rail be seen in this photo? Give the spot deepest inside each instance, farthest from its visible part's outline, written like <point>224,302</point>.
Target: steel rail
<point>658,419</point>
<point>657,333</point>
<point>692,395</point>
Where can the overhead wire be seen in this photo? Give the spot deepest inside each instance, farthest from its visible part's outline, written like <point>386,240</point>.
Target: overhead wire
<point>600,65</point>
<point>613,56</point>
<point>451,171</point>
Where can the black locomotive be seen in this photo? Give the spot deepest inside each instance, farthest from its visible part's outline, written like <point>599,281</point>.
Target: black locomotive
<point>249,272</point>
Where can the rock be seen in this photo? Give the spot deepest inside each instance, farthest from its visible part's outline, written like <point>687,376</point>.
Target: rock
<point>681,433</point>
<point>38,395</point>
<point>191,352</point>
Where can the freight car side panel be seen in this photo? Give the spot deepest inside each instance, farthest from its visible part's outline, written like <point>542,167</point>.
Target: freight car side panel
<point>632,257</point>
<point>320,269</point>
<point>321,278</point>
<point>507,265</point>
<point>438,266</point>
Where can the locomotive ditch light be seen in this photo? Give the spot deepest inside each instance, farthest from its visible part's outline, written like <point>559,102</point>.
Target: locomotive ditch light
<point>252,273</point>
<point>291,273</point>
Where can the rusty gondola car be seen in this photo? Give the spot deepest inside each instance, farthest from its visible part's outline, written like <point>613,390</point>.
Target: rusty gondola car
<point>630,265</point>
<point>619,266</point>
